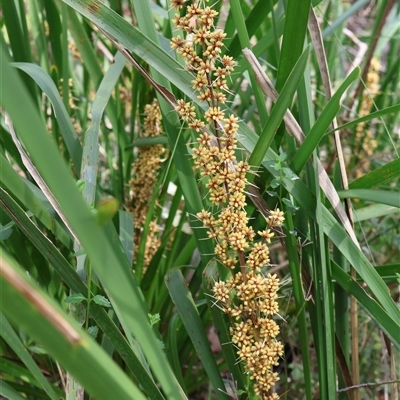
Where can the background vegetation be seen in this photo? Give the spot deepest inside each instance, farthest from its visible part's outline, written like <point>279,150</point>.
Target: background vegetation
<point>86,316</point>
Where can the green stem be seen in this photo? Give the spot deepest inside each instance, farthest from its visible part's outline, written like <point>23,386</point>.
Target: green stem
<point>89,299</point>
<point>295,272</point>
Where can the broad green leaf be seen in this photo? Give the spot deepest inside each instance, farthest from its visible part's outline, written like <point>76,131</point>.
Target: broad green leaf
<point>324,309</point>
<point>75,298</point>
<point>388,271</point>
<point>15,22</point>
<point>12,368</point>
<point>126,233</point>
<point>172,347</point>
<point>6,231</point>
<point>101,300</point>
<point>256,17</point>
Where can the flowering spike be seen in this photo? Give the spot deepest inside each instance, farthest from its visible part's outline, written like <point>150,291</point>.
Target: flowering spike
<point>145,173</point>
<point>249,296</point>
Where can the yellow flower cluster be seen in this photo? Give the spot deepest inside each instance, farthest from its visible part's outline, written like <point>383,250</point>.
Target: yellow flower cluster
<point>71,98</point>
<point>201,50</point>
<point>371,90</point>
<point>249,296</point>
<point>145,172</point>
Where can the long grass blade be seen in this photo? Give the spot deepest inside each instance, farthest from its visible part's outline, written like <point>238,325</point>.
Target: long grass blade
<point>40,317</point>
<point>321,125</point>
<point>244,40</point>
<point>188,312</point>
<point>282,104</point>
<point>63,268</point>
<point>389,171</point>
<point>11,338</point>
<point>380,316</point>
<point>8,392</point>
<point>120,285</point>
<point>44,81</point>
<point>27,196</point>
<point>377,196</point>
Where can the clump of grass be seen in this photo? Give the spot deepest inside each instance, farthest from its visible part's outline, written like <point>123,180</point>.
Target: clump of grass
<point>159,343</point>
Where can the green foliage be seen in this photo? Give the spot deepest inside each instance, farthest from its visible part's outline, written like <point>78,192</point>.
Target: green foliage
<point>77,301</point>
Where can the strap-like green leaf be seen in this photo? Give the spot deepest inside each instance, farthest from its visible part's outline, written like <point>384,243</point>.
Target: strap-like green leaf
<point>107,257</point>
<point>387,197</point>
<point>41,317</point>
<point>390,327</point>
<point>321,125</point>
<point>187,310</point>
<point>378,176</point>
<point>63,268</point>
<point>12,339</point>
<point>48,87</point>
<point>276,117</point>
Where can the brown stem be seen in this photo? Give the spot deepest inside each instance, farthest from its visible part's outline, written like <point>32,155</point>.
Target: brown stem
<point>242,265</point>
<point>256,332</point>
